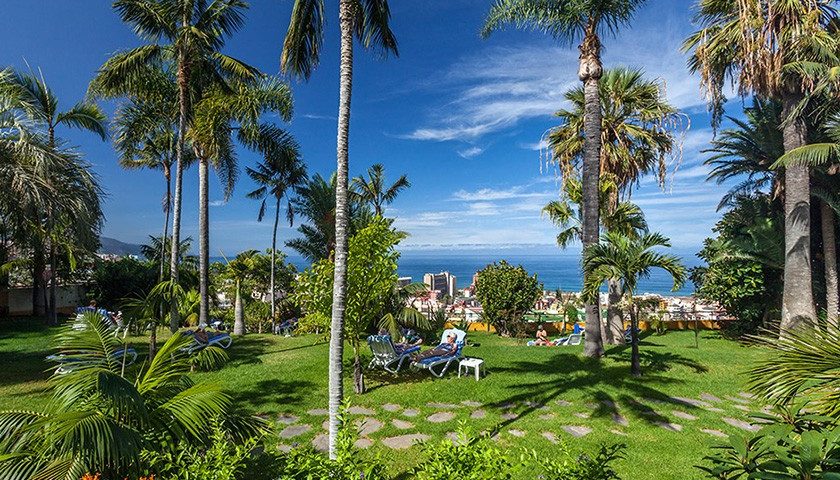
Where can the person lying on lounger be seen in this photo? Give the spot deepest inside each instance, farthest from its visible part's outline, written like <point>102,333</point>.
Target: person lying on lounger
<point>201,335</point>
<point>409,339</point>
<point>542,336</point>
<point>442,350</point>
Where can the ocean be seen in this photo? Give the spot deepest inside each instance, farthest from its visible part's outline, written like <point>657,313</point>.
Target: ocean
<point>554,269</point>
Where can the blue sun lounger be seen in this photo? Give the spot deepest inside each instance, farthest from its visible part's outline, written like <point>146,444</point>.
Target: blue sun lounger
<point>222,339</point>
<point>438,366</point>
<point>387,355</point>
<point>67,364</point>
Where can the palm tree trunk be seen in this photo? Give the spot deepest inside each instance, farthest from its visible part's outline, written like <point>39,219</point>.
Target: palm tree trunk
<point>358,373</point>
<point>238,318</point>
<point>273,265</point>
<point>153,342</point>
<point>183,107</point>
<point>829,239</point>
<point>167,204</point>
<point>203,243</point>
<point>797,298</point>
<point>615,322</point>
<point>336,385</point>
<point>589,73</point>
<point>53,307</point>
<point>635,363</point>
<point>38,268</point>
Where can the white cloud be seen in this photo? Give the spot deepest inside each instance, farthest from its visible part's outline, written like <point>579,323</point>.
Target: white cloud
<point>470,152</point>
<point>218,203</point>
<point>490,194</point>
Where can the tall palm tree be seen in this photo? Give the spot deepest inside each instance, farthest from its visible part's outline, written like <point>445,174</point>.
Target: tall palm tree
<point>281,172</point>
<point>627,259</point>
<point>749,150</point>
<point>218,115</point>
<point>571,21</point>
<point>41,106</point>
<point>315,201</point>
<point>638,134</point>
<point>187,35</point>
<point>764,47</point>
<point>369,22</point>
<point>372,190</point>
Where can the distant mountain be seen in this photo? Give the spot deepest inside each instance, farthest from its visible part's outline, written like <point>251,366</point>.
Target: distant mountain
<point>112,246</point>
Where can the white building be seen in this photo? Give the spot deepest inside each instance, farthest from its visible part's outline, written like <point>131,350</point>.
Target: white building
<point>443,283</point>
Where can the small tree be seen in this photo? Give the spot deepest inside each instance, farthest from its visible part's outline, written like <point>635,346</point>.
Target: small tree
<point>506,293</point>
<point>371,279</point>
<point>627,259</point>
<point>239,270</point>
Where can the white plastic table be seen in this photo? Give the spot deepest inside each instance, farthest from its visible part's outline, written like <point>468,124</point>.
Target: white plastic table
<point>467,363</point>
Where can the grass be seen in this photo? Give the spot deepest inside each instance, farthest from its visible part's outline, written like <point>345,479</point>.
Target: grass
<point>271,375</point>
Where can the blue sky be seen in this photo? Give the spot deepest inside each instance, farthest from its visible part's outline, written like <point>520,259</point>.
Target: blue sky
<point>461,116</point>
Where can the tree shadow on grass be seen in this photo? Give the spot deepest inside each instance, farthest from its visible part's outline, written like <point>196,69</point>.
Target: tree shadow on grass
<point>273,391</point>
<point>23,367</point>
<point>247,350</point>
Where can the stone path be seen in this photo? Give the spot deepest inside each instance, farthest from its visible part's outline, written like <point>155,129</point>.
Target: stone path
<point>477,414</point>
<point>618,432</point>
<point>391,407</point>
<point>693,402</point>
<point>402,442</point>
<point>321,442</point>
<point>508,416</point>
<point>551,437</point>
<point>294,430</point>
<point>440,417</point>
<point>710,398</point>
<point>363,443</point>
<point>284,448</point>
<point>368,425</point>
<point>516,433</point>
<point>470,403</point>
<point>741,424</point>
<point>714,433</point>
<point>358,410</point>
<point>576,431</point>
<point>674,427</point>
<point>401,424</point>
<point>683,415</point>
<point>563,403</point>
<point>619,419</point>
<point>442,406</point>
<point>547,416</point>
<point>287,419</point>
<point>317,412</point>
<point>410,412</point>
<point>581,415</point>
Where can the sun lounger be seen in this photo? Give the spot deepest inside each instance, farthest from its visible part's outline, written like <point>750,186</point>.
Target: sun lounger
<point>439,365</point>
<point>221,339</point>
<point>387,355</point>
<point>573,339</point>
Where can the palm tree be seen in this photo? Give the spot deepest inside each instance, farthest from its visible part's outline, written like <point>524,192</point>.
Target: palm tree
<point>627,259</point>
<point>372,190</point>
<point>280,173</point>
<point>638,128</point>
<point>103,413</point>
<point>239,270</point>
<point>187,35</point>
<point>765,46</point>
<point>217,115</point>
<point>587,21</point>
<point>315,201</point>
<point>369,22</point>
<point>41,106</point>
<point>749,150</point>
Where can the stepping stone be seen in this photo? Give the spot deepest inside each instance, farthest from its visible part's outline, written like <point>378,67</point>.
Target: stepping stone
<point>619,419</point>
<point>714,409</point>
<point>577,431</point>
<point>509,416</point>
<point>581,415</point>
<point>714,433</point>
<point>321,442</point>
<point>656,401</point>
<point>693,402</point>
<point>442,406</point>
<point>592,406</point>
<point>391,407</point>
<point>608,403</point>
<point>440,417</point>
<point>326,425</point>
<point>742,401</point>
<point>476,414</point>
<point>741,424</point>
<point>363,443</point>
<point>470,403</point>
<point>563,403</point>
<point>317,412</point>
<point>748,396</point>
<point>357,410</point>
<point>402,442</point>
<point>294,430</point>
<point>508,406</point>
<point>410,412</point>
<point>743,408</point>
<point>517,433</point>
<point>709,397</point>
<point>618,432</point>
<point>550,437</point>
<point>547,416</point>
<point>287,419</point>
<point>282,447</point>
<point>402,424</point>
<point>674,427</point>
<point>453,437</point>
<point>533,405</point>
<point>367,426</point>
<point>683,415</point>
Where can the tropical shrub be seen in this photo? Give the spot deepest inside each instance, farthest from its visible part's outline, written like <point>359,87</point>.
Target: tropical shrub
<point>103,414</point>
<point>506,294</point>
<point>582,466</point>
<point>112,281</point>
<point>471,457</point>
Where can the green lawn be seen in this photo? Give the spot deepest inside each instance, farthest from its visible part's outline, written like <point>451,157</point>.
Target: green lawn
<point>547,388</point>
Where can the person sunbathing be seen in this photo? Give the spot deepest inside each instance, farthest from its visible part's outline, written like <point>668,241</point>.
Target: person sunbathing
<point>201,335</point>
<point>410,338</point>
<point>443,350</point>
<point>542,336</point>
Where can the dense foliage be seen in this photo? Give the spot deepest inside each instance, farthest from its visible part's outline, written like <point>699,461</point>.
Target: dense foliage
<point>114,281</point>
<point>506,294</point>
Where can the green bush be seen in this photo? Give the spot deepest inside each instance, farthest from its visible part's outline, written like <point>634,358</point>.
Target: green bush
<point>113,281</point>
<point>470,458</point>
<point>582,466</point>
